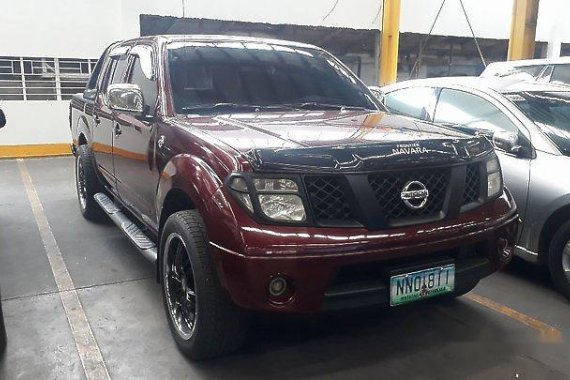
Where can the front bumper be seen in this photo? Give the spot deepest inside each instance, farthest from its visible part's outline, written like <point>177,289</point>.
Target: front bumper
<point>336,268</point>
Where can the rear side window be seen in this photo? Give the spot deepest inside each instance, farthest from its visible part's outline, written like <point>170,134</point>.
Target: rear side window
<point>92,84</point>
<point>471,113</point>
<point>417,102</point>
<point>561,74</point>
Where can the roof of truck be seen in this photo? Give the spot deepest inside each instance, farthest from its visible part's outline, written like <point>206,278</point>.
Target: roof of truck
<point>220,38</point>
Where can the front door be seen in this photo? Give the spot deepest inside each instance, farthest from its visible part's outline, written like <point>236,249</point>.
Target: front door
<point>474,114</point>
<point>137,177</point>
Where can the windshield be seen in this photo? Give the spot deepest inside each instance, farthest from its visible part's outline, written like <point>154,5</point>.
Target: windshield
<point>245,75</point>
<point>550,111</point>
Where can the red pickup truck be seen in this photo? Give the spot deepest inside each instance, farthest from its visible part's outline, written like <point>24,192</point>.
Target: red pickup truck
<point>262,175</point>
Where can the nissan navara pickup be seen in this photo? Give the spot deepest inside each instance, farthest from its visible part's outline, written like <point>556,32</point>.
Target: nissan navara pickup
<point>262,175</point>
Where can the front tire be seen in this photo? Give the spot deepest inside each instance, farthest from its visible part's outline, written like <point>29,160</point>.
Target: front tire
<point>87,184</point>
<point>559,259</point>
<point>202,319</point>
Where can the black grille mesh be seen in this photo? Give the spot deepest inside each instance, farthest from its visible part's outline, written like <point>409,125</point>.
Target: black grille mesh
<point>328,198</point>
<point>388,187</point>
<point>472,184</point>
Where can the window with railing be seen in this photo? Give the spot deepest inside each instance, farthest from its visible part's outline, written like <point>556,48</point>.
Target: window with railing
<point>40,78</point>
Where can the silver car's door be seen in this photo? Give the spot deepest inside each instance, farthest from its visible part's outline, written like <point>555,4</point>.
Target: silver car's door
<point>474,114</point>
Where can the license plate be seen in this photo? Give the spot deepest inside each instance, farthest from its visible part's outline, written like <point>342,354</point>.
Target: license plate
<point>427,283</point>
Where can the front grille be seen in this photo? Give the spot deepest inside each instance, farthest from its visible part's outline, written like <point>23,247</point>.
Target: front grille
<point>472,184</point>
<point>375,200</point>
<point>328,198</point>
<point>388,187</point>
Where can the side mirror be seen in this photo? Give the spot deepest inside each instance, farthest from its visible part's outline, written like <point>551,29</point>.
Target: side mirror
<point>507,141</point>
<point>2,119</point>
<point>126,97</point>
<point>377,92</point>
<point>90,94</point>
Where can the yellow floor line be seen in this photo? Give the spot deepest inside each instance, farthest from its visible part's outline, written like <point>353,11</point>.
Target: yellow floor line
<point>36,150</point>
<point>547,333</point>
<point>89,352</point>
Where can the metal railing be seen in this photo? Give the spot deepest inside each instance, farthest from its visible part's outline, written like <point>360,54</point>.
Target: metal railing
<point>33,78</point>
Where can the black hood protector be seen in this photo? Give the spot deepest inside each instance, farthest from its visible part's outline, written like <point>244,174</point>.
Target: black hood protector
<point>370,157</point>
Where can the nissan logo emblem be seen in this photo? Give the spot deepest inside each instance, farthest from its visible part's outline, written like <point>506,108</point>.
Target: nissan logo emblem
<point>415,195</point>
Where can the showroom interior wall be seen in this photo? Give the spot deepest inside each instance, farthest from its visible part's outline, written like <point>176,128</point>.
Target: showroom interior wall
<point>80,29</point>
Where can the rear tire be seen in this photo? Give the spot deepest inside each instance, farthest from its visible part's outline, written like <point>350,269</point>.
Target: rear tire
<point>87,184</point>
<point>203,320</point>
<point>559,259</point>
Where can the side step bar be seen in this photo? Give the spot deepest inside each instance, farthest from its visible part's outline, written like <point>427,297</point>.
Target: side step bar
<point>133,232</point>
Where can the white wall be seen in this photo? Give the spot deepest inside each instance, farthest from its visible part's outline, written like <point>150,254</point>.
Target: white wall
<point>82,28</point>
<point>37,122</point>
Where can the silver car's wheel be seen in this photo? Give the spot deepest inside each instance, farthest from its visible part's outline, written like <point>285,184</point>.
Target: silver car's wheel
<point>559,259</point>
<point>566,260</point>
<point>179,286</point>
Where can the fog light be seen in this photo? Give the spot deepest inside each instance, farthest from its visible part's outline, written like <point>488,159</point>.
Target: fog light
<point>277,286</point>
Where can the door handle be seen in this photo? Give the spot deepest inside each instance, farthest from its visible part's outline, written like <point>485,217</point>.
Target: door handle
<point>117,130</point>
<point>97,119</point>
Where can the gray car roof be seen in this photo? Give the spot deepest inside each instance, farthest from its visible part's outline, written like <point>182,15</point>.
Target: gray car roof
<point>501,85</point>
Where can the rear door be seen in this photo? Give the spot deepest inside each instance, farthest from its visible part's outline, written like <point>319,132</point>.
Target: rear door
<point>137,177</point>
<point>104,119</point>
<point>474,114</point>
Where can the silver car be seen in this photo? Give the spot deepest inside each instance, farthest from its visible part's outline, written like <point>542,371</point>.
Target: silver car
<point>553,70</point>
<point>529,124</point>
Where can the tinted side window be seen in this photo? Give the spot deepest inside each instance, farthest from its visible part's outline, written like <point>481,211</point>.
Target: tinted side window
<point>471,113</point>
<point>415,102</point>
<point>115,72</point>
<point>148,87</point>
<point>561,74</point>
<point>119,70</point>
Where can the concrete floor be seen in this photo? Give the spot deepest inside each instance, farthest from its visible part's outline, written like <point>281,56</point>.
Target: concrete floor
<point>441,340</point>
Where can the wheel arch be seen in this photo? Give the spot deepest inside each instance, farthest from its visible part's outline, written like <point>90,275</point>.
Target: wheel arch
<point>186,183</point>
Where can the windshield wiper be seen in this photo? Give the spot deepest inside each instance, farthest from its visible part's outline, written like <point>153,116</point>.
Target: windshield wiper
<point>236,106</point>
<point>321,106</point>
<point>215,106</point>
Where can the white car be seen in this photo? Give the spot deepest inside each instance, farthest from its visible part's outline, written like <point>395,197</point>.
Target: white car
<point>553,70</point>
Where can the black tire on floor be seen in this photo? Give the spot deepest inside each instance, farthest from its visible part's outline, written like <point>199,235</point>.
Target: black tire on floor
<point>219,326</point>
<point>87,184</point>
<point>3,337</point>
<point>556,252</point>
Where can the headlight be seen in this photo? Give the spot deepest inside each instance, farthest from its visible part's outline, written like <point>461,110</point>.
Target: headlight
<point>278,198</point>
<point>265,185</point>
<point>282,207</point>
<point>494,178</point>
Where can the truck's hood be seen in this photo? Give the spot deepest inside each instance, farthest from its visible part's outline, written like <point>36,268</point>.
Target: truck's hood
<point>337,140</point>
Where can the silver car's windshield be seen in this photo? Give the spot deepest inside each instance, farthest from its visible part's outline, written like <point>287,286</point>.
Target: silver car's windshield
<point>550,111</point>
